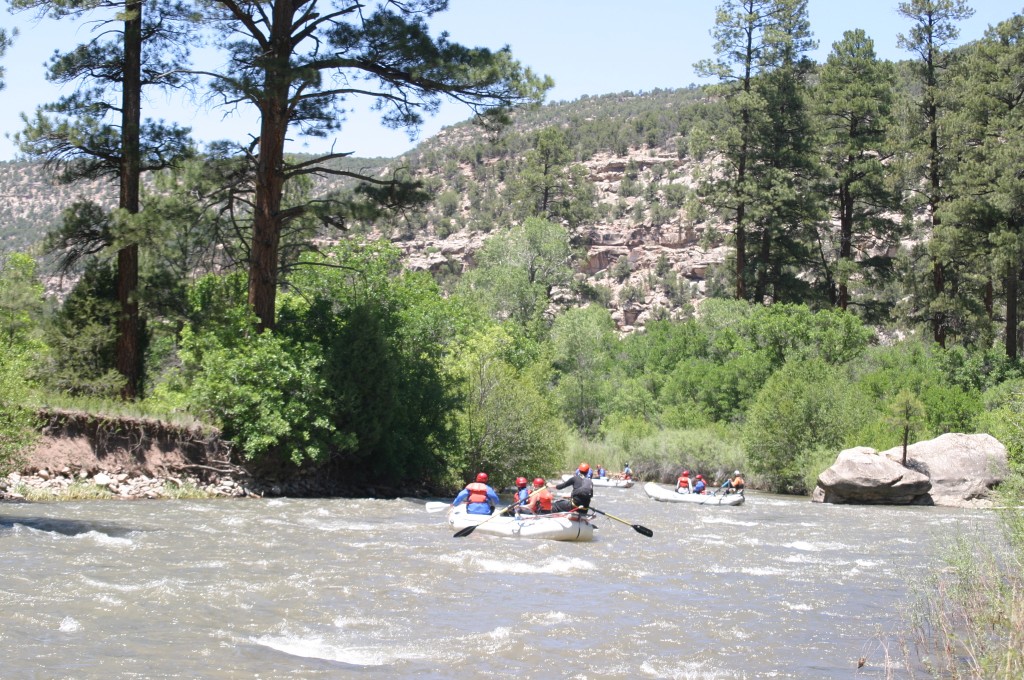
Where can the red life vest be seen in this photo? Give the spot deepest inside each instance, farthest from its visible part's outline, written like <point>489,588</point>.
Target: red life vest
<point>477,492</point>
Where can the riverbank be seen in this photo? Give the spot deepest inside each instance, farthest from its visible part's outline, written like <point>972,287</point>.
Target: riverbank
<point>82,455</point>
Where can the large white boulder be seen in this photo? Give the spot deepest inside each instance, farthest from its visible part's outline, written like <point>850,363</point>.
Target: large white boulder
<point>861,475</point>
<point>957,470</point>
<point>963,468</point>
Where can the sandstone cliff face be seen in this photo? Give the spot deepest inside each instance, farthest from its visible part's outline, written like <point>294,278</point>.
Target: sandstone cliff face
<point>669,253</point>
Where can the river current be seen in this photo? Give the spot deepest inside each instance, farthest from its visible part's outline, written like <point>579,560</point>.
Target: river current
<point>289,588</point>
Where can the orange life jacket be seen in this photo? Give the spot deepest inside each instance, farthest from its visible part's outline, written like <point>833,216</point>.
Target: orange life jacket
<point>541,500</point>
<point>737,483</point>
<point>477,492</point>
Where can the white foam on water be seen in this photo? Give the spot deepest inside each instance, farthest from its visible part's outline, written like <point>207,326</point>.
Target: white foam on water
<point>313,647</point>
<point>797,607</point>
<point>552,618</point>
<point>765,571</point>
<point>684,671</point>
<point>801,559</point>
<point>727,520</point>
<point>554,565</point>
<point>868,564</point>
<point>814,547</point>
<point>69,625</point>
<point>104,539</point>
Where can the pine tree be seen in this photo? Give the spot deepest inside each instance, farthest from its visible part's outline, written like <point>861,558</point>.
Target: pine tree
<point>762,145</point>
<point>985,213</point>
<point>930,38</point>
<point>300,63</point>
<point>98,132</point>
<point>854,115</point>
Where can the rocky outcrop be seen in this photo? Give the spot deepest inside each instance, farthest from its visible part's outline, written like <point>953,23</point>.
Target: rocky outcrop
<point>956,470</point>
<point>863,476</point>
<point>963,468</point>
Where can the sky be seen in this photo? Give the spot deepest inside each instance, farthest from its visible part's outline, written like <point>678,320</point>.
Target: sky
<point>589,47</point>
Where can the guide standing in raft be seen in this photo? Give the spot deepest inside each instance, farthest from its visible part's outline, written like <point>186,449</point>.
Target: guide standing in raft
<point>582,491</point>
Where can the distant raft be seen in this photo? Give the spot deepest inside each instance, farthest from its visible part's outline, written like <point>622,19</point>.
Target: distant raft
<point>660,493</point>
<point>607,482</point>
<point>562,526</point>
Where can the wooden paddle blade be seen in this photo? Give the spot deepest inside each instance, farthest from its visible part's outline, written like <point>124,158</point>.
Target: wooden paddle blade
<point>643,530</point>
<point>462,533</point>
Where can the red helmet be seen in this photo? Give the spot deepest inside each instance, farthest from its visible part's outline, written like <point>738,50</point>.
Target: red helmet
<point>539,481</point>
<point>700,476</point>
<point>481,477</point>
<point>521,482</point>
<point>686,473</point>
<point>584,468</point>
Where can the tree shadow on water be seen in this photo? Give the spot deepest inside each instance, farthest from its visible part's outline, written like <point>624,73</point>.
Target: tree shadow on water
<point>66,527</point>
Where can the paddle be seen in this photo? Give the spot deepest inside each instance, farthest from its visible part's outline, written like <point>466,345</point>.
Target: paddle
<point>636,527</point>
<point>466,531</point>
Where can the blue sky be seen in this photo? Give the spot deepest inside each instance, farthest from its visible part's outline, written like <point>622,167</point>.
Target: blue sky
<point>589,47</point>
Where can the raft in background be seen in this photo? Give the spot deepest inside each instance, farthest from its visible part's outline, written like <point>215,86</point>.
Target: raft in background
<point>660,493</point>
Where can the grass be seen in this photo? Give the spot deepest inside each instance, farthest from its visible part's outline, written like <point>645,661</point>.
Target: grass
<point>967,622</point>
<point>114,408</point>
<point>185,491</point>
<point>78,490</point>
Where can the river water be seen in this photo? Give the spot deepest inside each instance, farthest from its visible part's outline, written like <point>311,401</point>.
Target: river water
<point>288,588</point>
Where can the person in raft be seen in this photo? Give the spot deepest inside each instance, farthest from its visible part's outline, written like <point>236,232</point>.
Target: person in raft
<point>734,485</point>
<point>684,484</point>
<point>699,486</point>
<point>582,491</point>
<point>627,472</point>
<point>480,498</point>
<point>521,499</point>
<point>541,498</point>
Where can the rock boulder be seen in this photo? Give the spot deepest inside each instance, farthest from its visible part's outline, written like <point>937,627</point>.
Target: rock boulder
<point>861,475</point>
<point>963,468</point>
<point>956,470</point>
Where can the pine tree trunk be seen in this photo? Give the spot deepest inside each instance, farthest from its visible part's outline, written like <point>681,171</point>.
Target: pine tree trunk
<point>128,359</point>
<point>267,218</point>
<point>1012,278</point>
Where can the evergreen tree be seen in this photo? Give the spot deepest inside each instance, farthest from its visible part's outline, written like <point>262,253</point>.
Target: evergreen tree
<point>984,219</point>
<point>548,186</point>
<point>762,143</point>
<point>300,63</point>
<point>854,114</point>
<point>98,131</point>
<point>930,38</point>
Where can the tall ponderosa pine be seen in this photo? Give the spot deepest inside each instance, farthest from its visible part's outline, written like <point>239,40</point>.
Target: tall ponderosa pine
<point>854,114</point>
<point>985,214</point>
<point>300,62</point>
<point>762,145</point>
<point>930,38</point>
<point>98,132</point>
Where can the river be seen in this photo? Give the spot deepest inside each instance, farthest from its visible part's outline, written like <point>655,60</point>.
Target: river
<point>290,588</point>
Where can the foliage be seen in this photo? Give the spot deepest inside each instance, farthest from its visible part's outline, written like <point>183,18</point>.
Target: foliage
<point>505,425</point>
<point>804,406</point>
<point>381,337</point>
<point>82,338</point>
<point>516,271</point>
<point>262,389</point>
<point>582,340</point>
